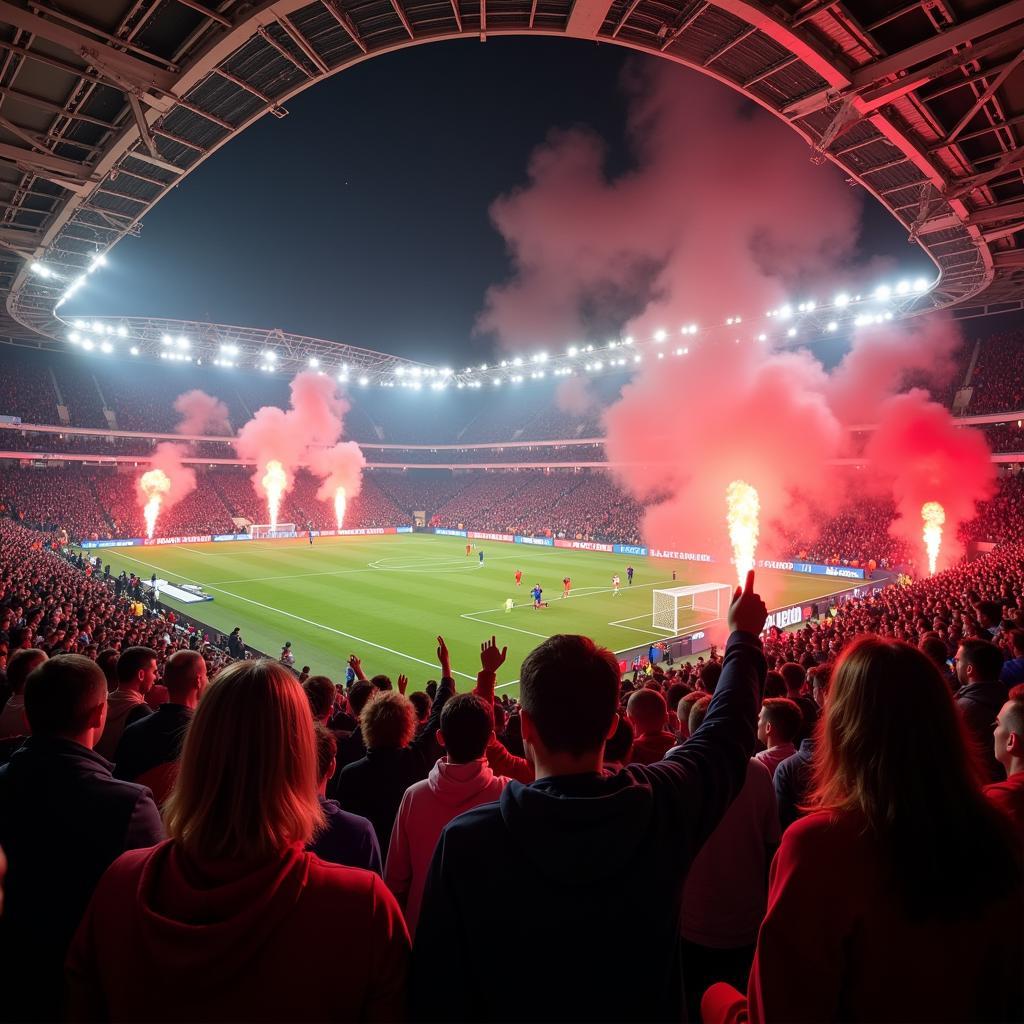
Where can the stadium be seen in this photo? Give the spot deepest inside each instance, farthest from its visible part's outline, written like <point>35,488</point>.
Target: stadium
<point>764,315</point>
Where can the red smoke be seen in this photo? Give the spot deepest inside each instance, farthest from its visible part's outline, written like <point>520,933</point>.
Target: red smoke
<point>201,414</point>
<point>168,456</point>
<point>720,214</point>
<point>921,454</point>
<point>304,435</point>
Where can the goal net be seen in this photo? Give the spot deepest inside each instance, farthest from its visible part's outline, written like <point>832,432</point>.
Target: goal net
<point>676,607</point>
<point>262,530</point>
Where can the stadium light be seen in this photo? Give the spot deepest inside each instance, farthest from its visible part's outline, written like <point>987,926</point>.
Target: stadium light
<point>660,335</point>
<point>99,260</point>
<point>920,285</point>
<point>183,342</point>
<point>517,362</point>
<point>122,331</point>
<point>496,382</point>
<point>363,381</point>
<point>883,292</point>
<point>903,287</point>
<point>637,358</point>
<point>74,337</point>
<point>842,300</point>
<point>791,333</point>
<point>88,345</point>
<point>832,326</point>
<point>97,327</point>
<point>271,357</point>
<point>762,337</point>
<point>573,350</point>
<point>483,366</point>
<point>166,340</point>
<point>106,347</point>
<point>785,311</point>
<point>314,363</point>
<point>134,351</point>
<point>42,270</point>
<point>343,377</point>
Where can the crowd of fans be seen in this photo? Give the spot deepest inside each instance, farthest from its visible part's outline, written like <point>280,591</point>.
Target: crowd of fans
<point>249,843</point>
<point>996,380</point>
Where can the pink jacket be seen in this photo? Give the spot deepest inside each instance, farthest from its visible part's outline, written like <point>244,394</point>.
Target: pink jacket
<point>427,806</point>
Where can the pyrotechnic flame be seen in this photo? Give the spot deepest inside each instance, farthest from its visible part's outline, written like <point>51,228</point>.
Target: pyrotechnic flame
<point>744,508</point>
<point>339,506</point>
<point>934,516</point>
<point>154,484</point>
<point>274,482</point>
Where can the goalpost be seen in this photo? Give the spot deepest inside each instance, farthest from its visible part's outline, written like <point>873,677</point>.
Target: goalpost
<point>260,531</point>
<point>712,599</point>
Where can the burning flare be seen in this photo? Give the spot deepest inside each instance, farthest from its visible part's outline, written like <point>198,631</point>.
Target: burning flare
<point>744,508</point>
<point>339,506</point>
<point>934,516</point>
<point>154,484</point>
<point>274,482</point>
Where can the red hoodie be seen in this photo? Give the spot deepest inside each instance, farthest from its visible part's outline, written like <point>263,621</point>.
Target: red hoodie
<point>291,939</point>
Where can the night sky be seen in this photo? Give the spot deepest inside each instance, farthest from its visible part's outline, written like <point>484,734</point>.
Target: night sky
<point>363,215</point>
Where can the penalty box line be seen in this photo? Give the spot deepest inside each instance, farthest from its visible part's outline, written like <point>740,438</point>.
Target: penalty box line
<point>310,622</point>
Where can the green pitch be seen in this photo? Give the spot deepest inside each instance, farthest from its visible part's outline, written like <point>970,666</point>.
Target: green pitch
<point>386,598</point>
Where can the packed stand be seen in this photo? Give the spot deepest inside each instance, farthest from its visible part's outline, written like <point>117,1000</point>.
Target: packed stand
<point>996,381</point>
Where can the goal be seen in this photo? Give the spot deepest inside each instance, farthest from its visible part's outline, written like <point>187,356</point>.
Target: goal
<point>709,600</point>
<point>260,531</point>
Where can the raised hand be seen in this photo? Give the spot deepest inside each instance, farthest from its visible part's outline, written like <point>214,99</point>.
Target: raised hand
<point>403,684</point>
<point>747,611</point>
<point>491,659</point>
<point>443,657</point>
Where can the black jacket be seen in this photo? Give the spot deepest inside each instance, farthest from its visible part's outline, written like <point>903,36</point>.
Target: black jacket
<point>374,785</point>
<point>980,703</point>
<point>572,871</point>
<point>63,820</point>
<point>153,741</point>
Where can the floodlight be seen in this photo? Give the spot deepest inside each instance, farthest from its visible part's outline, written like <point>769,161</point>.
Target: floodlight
<point>106,347</point>
<point>660,335</point>
<point>97,327</point>
<point>74,337</point>
<point>786,311</point>
<point>842,300</point>
<point>313,362</point>
<point>87,345</point>
<point>903,287</point>
<point>920,285</point>
<point>134,351</point>
<point>791,333</point>
<point>363,381</point>
<point>122,331</point>
<point>573,350</point>
<point>166,340</point>
<point>517,361</point>
<point>832,326</point>
<point>883,292</point>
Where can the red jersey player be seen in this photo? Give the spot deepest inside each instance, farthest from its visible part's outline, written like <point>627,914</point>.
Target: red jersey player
<point>519,577</point>
<point>469,548</point>
<point>566,586</point>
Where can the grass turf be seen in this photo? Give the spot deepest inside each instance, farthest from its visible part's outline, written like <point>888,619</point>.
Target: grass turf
<point>387,598</point>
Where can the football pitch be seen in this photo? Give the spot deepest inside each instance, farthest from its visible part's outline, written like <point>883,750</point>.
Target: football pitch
<point>386,598</point>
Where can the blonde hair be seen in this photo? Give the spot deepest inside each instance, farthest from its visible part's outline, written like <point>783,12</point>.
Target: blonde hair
<point>388,721</point>
<point>247,783</point>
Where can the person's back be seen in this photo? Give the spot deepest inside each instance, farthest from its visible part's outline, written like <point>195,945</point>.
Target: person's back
<point>457,783</point>
<point>981,695</point>
<point>597,860</point>
<point>63,821</point>
<point>136,674</point>
<point>232,919</point>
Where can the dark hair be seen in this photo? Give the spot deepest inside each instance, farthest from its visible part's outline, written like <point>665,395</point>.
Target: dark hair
<point>466,725</point>
<point>20,666</point>
<point>107,660</point>
<point>935,650</point>
<point>60,694</point>
<point>984,657</point>
<point>319,692</point>
<point>676,692</point>
<point>422,703</point>
<point>381,682</point>
<point>709,676</point>
<point>1017,640</point>
<point>916,788</point>
<point>793,675</point>
<point>774,684</point>
<point>360,693</point>
<point>326,749</point>
<point>990,609</point>
<point>570,687</point>
<point>132,661</point>
<point>621,743</point>
<point>785,715</point>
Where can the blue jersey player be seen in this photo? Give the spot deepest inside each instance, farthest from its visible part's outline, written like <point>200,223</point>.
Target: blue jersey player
<point>481,557</point>
<point>629,575</point>
<point>537,592</point>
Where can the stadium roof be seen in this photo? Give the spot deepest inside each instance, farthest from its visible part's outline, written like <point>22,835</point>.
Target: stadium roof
<point>106,105</point>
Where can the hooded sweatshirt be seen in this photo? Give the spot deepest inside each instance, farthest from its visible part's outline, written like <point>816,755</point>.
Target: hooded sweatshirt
<point>597,860</point>
<point>426,808</point>
<point>290,938</point>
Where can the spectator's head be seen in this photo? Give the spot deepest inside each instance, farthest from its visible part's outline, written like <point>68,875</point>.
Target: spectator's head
<point>21,663</point>
<point>326,756</point>
<point>988,614</point>
<point>1017,643</point>
<point>935,651</point>
<point>381,682</point>
<point>359,695</point>
<point>569,690</point>
<point>709,676</point>
<point>794,676</point>
<point>500,717</point>
<point>916,789</point>
<point>978,661</point>
<point>466,727</point>
<point>647,711</point>
<point>246,788</point>
<point>683,711</point>
<point>1008,736</point>
<point>320,694</point>
<point>617,749</point>
<point>422,703</point>
<point>185,678</point>
<point>676,692</point>
<point>136,669</point>
<point>779,722</point>
<point>698,709</point>
<point>820,677</point>
<point>388,721</point>
<point>107,660</point>
<point>774,684</point>
<point>66,697</point>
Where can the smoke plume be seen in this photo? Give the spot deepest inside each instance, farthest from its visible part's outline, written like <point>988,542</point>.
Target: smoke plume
<point>201,414</point>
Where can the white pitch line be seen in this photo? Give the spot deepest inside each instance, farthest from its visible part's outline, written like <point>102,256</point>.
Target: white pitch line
<point>318,625</point>
<point>503,626</point>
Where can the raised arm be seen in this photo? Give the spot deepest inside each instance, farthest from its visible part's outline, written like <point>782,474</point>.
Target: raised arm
<point>426,742</point>
<point>501,760</point>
